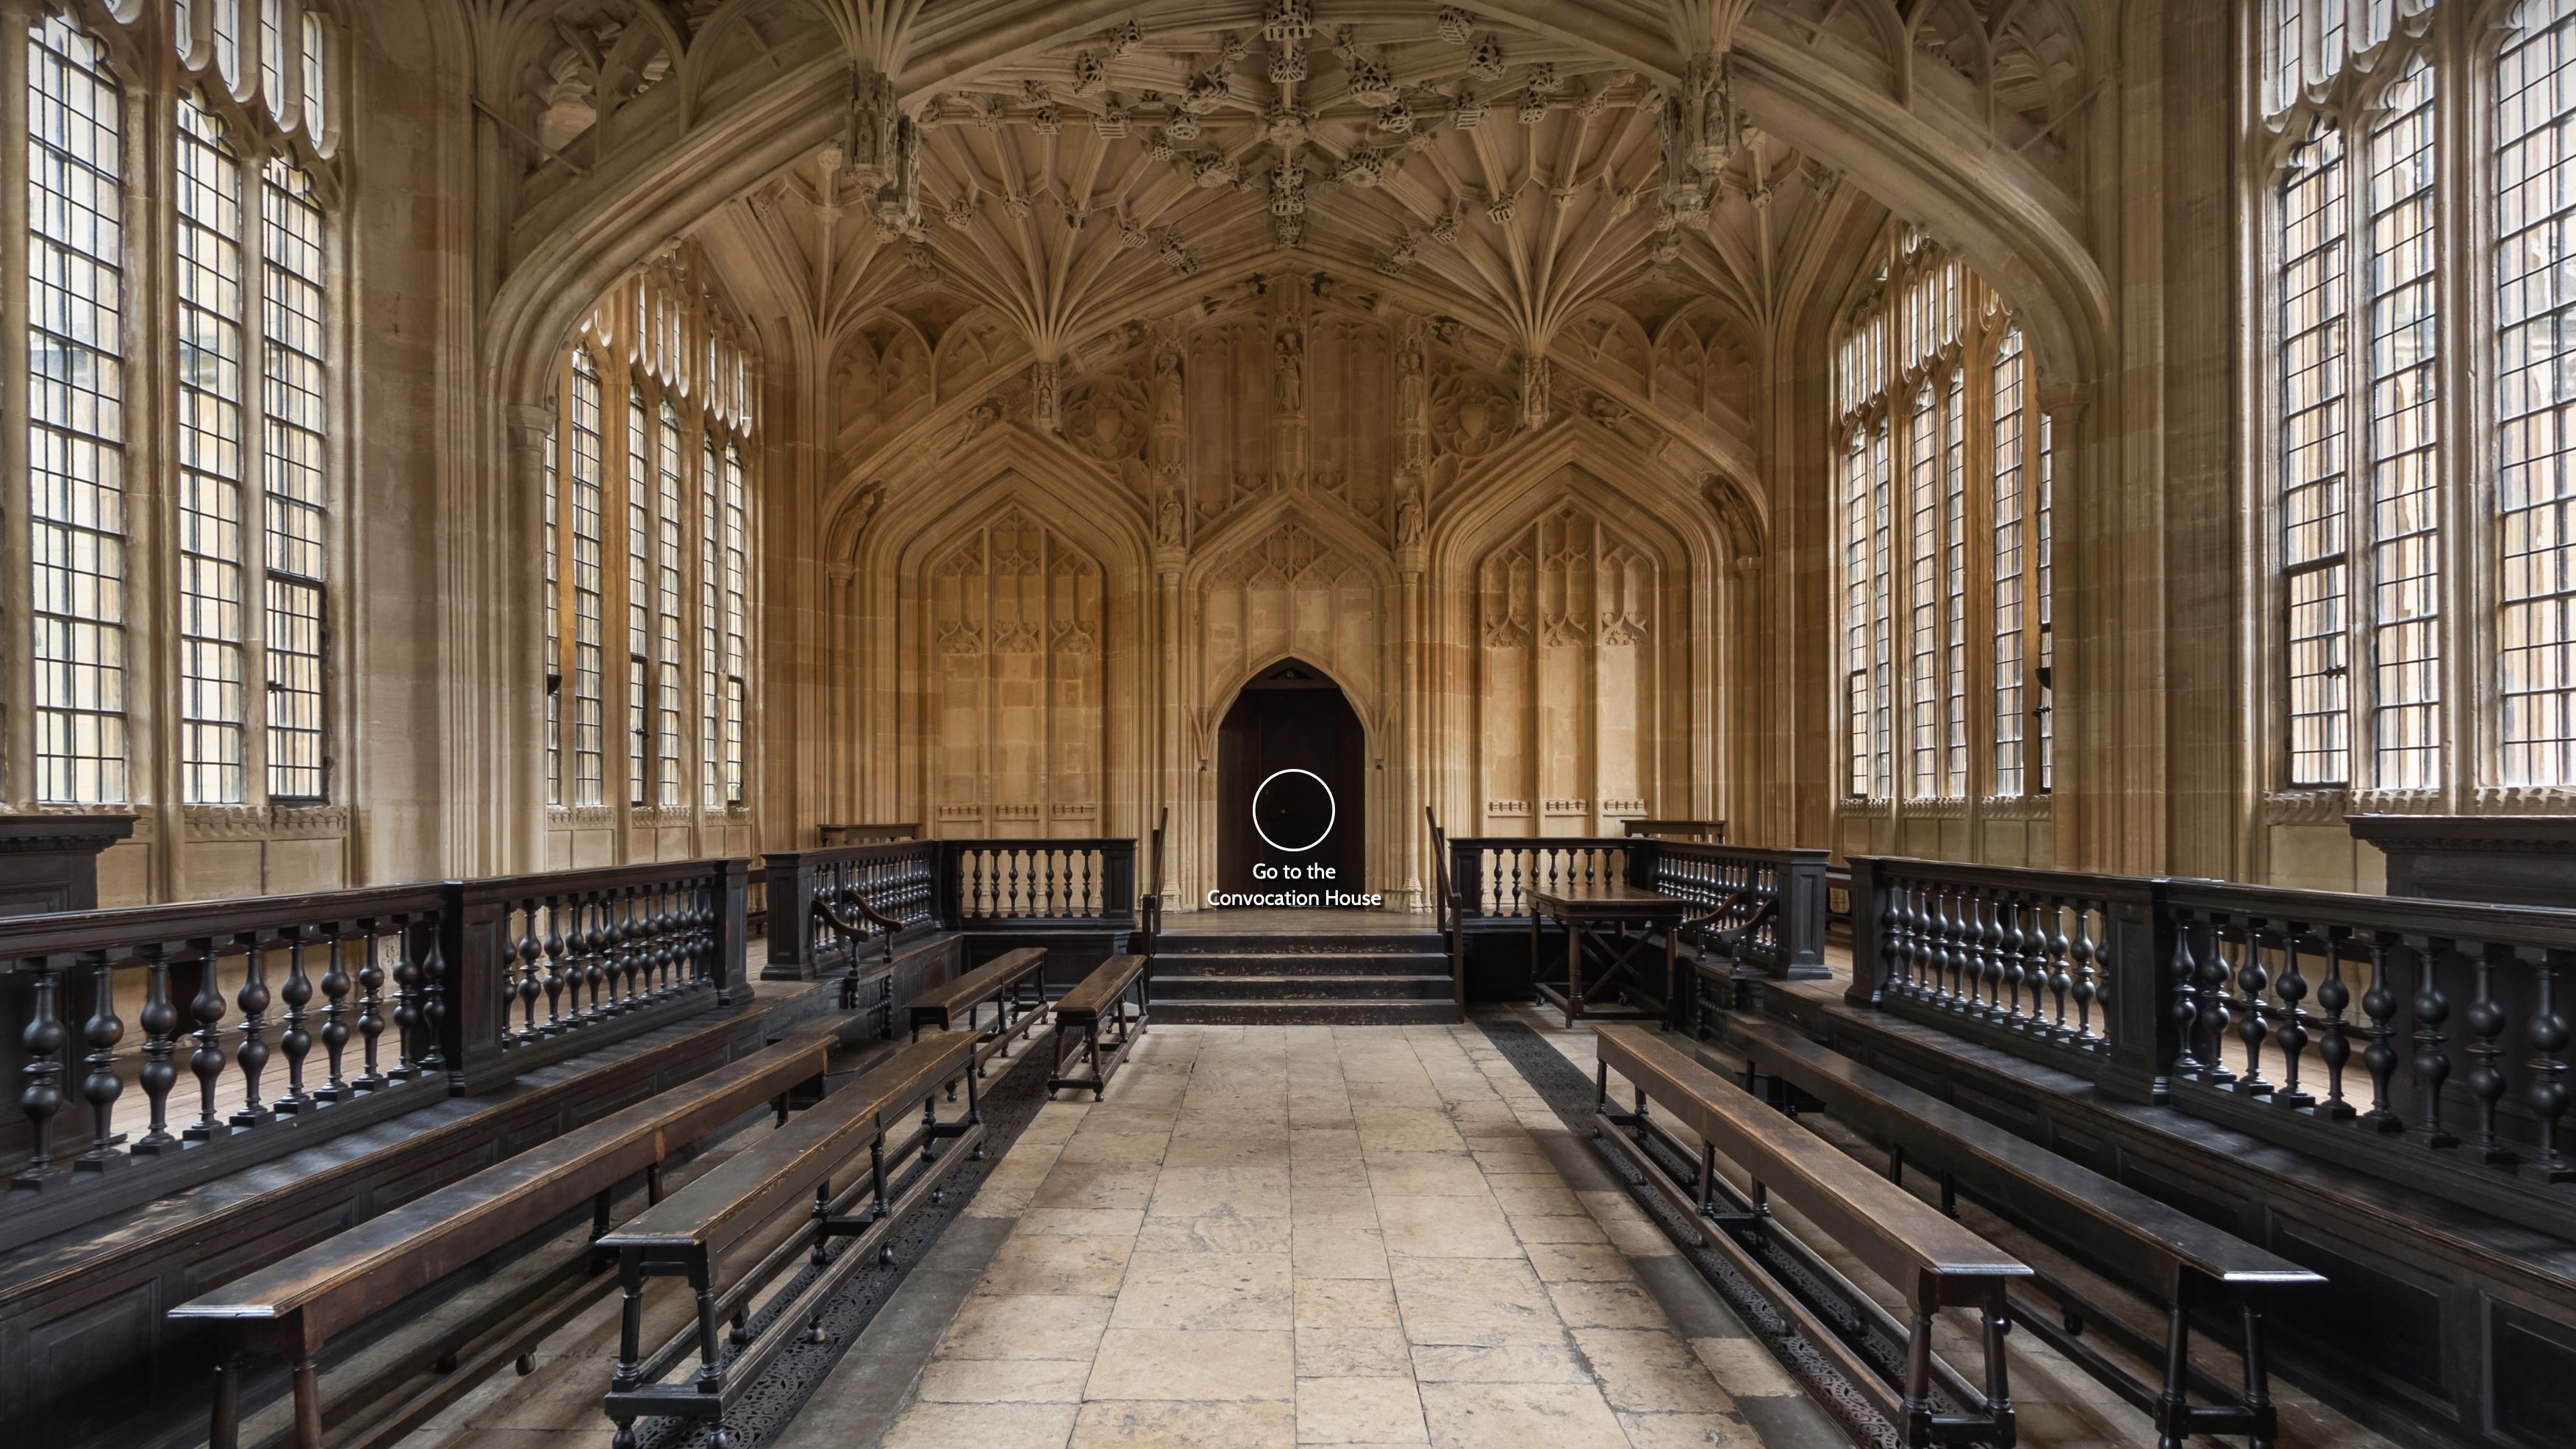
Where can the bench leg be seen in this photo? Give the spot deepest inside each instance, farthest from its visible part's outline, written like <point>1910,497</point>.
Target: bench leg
<point>2172,1407</point>
<point>974,1113</point>
<point>1998,1377</point>
<point>877,1180</point>
<point>225,1430</point>
<point>710,1340</point>
<point>1091,1045</point>
<point>2258,1388</point>
<point>1918,1381</point>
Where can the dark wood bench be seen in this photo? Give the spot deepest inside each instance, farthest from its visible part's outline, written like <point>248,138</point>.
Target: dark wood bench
<point>2116,1229</point>
<point>1931,1261</point>
<point>1014,982</point>
<point>852,1167</point>
<point>296,1306</point>
<point>1101,1000</point>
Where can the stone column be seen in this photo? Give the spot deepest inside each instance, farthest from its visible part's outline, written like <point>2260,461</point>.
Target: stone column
<point>522,683</point>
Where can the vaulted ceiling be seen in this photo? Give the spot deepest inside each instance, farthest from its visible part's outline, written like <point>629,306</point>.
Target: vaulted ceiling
<point>1066,163</point>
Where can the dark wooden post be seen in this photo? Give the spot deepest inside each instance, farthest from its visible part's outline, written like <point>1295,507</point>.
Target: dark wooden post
<point>1802,917</point>
<point>1868,979</point>
<point>946,863</point>
<point>1118,879</point>
<point>733,930</point>
<point>792,881</point>
<point>2139,1006</point>
<point>474,937</point>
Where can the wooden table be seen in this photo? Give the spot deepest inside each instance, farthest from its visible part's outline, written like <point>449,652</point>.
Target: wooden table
<point>1605,911</point>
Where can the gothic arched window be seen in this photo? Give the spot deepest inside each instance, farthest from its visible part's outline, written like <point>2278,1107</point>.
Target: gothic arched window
<point>1913,493</point>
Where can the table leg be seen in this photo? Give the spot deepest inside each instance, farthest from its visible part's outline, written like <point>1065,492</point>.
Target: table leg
<point>1573,971</point>
<point>1673,1018</point>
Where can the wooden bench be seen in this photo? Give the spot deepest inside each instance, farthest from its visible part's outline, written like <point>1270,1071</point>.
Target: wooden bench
<point>1099,999</point>
<point>1014,982</point>
<point>2120,1231</point>
<point>853,1166</point>
<point>1931,1261</point>
<point>298,1304</point>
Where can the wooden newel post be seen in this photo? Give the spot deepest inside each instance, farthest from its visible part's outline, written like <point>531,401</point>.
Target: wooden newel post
<point>473,935</point>
<point>1802,918</point>
<point>1118,879</point>
<point>733,930</point>
<point>2138,1001</point>
<point>1867,904</point>
<point>792,883</point>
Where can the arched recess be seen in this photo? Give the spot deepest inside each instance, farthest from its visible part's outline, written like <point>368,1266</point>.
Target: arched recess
<point>1573,577</point>
<point>1087,623</point>
<point>1287,577</point>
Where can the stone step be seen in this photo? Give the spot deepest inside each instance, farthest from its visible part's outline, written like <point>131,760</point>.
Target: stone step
<point>1389,963</point>
<point>1304,1013</point>
<point>1358,943</point>
<point>1300,987</point>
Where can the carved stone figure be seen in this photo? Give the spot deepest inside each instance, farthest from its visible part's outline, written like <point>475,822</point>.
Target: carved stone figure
<point>1408,518</point>
<point>1170,518</point>
<point>964,430</point>
<point>1291,375</point>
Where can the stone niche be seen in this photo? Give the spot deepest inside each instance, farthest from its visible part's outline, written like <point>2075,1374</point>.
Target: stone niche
<point>1014,615</point>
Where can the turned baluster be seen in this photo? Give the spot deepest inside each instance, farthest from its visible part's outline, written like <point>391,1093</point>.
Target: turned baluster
<point>371,1018</point>
<point>335,1024</point>
<point>252,1054</point>
<point>2081,967</point>
<point>2183,973</point>
<point>407,1018</point>
<point>2252,980</point>
<point>2292,989</point>
<point>206,1062</point>
<point>101,1087</point>
<point>2216,1006</point>
<point>433,994</point>
<point>2006,944</point>
<point>524,953</point>
<point>2432,1055</point>
<point>42,1096</point>
<point>2486,1022</point>
<point>619,904</point>
<point>2334,1040</point>
<point>2379,1058</point>
<point>160,1022</point>
<point>675,919</point>
<point>295,1043</point>
<point>1895,942</point>
<point>2548,1092</point>
<point>1985,975</point>
<point>553,985</point>
<point>593,913</point>
<point>1941,903</point>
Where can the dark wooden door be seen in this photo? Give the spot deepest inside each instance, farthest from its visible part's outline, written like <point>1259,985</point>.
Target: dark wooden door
<point>1292,718</point>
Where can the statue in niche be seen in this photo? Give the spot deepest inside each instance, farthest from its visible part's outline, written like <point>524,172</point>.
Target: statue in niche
<point>1291,373</point>
<point>1167,392</point>
<point>1409,380</point>
<point>966,429</point>
<point>1408,517</point>
<point>1170,519</point>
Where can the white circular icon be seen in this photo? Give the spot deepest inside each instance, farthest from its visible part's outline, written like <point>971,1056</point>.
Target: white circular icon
<point>1332,811</point>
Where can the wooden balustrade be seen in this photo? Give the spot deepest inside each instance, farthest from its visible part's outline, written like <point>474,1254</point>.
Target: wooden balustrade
<point>2425,1040</point>
<point>1501,875</point>
<point>2027,958</point>
<point>191,1035</point>
<point>1778,894</point>
<point>1034,881</point>
<point>1487,881</point>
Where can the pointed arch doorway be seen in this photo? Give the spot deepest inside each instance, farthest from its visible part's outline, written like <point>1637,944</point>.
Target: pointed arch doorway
<point>1292,783</point>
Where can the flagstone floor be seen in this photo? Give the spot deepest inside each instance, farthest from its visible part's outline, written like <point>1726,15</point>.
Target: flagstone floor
<point>1317,1235</point>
